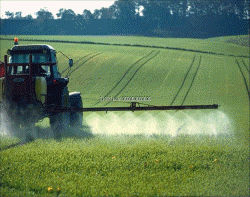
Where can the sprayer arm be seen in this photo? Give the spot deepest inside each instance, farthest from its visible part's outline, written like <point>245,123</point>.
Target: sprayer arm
<point>133,108</point>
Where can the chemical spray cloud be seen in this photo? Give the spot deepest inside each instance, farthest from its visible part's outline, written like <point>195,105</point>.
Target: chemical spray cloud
<point>162,123</point>
<point>4,122</point>
<point>8,128</point>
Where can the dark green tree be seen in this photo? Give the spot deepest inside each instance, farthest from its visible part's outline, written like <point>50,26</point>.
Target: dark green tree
<point>18,15</point>
<point>97,14</point>
<point>28,17</point>
<point>87,15</point>
<point>44,14</point>
<point>126,9</point>
<point>65,14</point>
<point>9,14</point>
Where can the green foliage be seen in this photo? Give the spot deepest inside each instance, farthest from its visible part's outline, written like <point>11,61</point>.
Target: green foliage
<point>125,166</point>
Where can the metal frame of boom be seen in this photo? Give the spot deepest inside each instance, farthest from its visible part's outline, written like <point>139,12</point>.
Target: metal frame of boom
<point>133,108</point>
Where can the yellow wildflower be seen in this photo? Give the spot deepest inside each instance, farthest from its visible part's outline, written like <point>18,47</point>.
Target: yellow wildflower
<point>50,189</point>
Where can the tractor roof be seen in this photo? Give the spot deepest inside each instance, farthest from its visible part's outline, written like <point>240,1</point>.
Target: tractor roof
<point>35,47</point>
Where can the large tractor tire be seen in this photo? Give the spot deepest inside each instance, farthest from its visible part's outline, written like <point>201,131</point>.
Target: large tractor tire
<point>60,122</point>
<point>76,118</point>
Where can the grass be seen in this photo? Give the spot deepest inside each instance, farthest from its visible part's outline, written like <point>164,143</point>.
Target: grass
<point>6,141</point>
<point>203,165</point>
<point>126,166</point>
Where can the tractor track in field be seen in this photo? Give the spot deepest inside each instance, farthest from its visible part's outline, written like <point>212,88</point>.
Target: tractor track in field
<point>147,57</point>
<point>137,71</point>
<point>192,81</point>
<point>244,78</point>
<point>130,45</point>
<point>183,81</point>
<point>245,66</point>
<point>91,57</point>
<point>77,62</point>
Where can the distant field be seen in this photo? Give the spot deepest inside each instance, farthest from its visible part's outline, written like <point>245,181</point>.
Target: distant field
<point>189,72</point>
<point>242,40</point>
<point>204,45</point>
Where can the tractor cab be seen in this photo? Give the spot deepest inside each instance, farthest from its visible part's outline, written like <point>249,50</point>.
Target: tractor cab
<point>41,54</point>
<point>32,76</point>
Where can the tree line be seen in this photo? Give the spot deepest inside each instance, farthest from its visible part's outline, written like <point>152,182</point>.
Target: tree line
<point>177,18</point>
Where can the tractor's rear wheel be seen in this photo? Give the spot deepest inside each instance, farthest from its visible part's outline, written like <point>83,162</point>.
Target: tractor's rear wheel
<point>76,118</point>
<point>59,122</point>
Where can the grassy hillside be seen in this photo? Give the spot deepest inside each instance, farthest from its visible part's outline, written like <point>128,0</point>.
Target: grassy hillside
<point>242,40</point>
<point>175,164</point>
<point>204,45</point>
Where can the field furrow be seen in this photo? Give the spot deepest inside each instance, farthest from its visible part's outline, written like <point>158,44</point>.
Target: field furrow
<point>247,67</point>
<point>244,77</point>
<point>199,64</point>
<point>124,76</point>
<point>179,100</point>
<point>127,76</point>
<point>85,61</point>
<point>172,69</point>
<point>183,81</point>
<point>97,76</point>
<point>150,57</point>
<point>77,62</point>
<point>220,81</point>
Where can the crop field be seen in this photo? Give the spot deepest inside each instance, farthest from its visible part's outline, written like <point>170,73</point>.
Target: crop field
<point>173,153</point>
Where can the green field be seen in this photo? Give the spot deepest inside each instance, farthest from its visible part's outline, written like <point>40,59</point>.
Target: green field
<point>127,166</point>
<point>188,72</point>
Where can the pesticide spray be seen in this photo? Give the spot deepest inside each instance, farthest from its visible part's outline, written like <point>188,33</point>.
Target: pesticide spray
<point>162,123</point>
<point>4,124</point>
<point>25,132</point>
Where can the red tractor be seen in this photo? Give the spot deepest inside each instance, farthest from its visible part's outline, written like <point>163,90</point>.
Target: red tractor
<point>31,87</point>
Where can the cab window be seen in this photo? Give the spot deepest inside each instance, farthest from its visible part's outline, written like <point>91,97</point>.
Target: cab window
<point>24,58</point>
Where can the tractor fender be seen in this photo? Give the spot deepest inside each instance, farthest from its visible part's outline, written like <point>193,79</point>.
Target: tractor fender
<point>75,99</point>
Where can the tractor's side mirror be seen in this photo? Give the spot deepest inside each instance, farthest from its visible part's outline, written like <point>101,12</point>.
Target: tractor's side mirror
<point>9,51</point>
<point>70,62</point>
